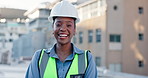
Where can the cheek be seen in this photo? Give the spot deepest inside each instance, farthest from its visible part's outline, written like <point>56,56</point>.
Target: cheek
<point>55,31</point>
<point>74,30</point>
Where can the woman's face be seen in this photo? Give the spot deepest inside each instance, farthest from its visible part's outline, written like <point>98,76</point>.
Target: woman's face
<point>64,29</point>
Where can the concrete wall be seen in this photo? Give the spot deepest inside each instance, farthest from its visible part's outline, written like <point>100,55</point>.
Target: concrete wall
<point>127,21</point>
<point>28,44</point>
<point>135,50</point>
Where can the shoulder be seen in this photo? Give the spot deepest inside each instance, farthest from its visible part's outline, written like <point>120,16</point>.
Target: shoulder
<point>36,54</point>
<point>91,71</point>
<point>77,50</point>
<point>89,55</point>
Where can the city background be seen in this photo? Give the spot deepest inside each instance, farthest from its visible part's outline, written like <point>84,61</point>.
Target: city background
<point>114,30</point>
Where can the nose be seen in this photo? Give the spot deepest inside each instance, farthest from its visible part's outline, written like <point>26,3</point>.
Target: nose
<point>63,28</point>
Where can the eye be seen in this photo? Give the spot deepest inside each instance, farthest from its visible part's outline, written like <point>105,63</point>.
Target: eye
<point>69,25</point>
<point>58,24</point>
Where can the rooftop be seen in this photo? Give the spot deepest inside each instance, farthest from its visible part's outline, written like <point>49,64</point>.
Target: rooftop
<point>10,13</point>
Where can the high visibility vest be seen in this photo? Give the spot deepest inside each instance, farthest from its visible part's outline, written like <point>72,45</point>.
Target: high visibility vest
<point>48,69</point>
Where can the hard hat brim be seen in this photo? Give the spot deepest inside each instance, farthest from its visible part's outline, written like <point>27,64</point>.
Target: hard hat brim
<point>50,18</point>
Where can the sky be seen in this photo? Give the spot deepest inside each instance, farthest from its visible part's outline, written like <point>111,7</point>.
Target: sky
<point>21,4</point>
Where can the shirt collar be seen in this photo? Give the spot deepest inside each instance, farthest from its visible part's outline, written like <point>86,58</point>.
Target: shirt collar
<point>52,52</point>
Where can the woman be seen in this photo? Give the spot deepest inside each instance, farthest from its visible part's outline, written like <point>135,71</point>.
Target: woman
<point>63,60</point>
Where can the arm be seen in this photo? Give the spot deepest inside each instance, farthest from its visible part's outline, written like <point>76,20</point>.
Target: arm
<point>91,71</point>
<point>32,71</point>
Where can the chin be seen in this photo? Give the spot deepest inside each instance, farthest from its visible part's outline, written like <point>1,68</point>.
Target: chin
<point>63,43</point>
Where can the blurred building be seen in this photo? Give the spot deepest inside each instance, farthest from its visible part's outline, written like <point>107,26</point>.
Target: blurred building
<point>116,33</point>
<point>38,17</point>
<point>91,31</point>
<point>24,47</point>
<point>39,35</point>
<point>38,22</point>
<point>12,26</point>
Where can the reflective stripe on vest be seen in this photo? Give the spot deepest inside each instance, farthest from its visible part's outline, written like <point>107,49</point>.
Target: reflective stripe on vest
<point>47,65</point>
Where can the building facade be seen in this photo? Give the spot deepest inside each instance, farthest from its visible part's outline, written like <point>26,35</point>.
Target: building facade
<point>91,31</point>
<point>127,34</point>
<point>116,33</point>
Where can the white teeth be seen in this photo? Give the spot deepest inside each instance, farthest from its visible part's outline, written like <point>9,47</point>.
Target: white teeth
<point>63,35</point>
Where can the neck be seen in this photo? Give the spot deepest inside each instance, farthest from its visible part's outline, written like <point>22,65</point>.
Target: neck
<point>63,51</point>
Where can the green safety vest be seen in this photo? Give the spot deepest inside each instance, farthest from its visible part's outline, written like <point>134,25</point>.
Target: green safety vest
<point>48,69</point>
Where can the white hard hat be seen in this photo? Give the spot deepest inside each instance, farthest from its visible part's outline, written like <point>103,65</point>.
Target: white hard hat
<point>63,9</point>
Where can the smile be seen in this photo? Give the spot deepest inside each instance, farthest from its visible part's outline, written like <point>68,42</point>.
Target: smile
<point>62,36</point>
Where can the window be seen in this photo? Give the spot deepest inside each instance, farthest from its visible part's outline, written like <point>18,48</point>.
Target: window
<point>115,38</point>
<point>2,37</point>
<point>98,61</point>
<point>115,7</point>
<point>90,36</point>
<point>10,40</point>
<point>115,67</point>
<point>141,63</point>
<point>10,34</point>
<point>80,37</point>
<point>98,35</point>
<point>74,39</point>
<point>141,36</point>
<point>20,35</point>
<point>101,2</point>
<point>140,10</point>
<point>93,13</point>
